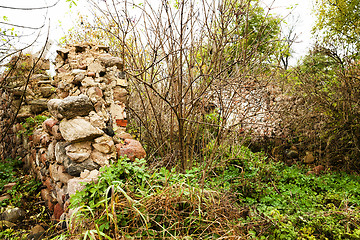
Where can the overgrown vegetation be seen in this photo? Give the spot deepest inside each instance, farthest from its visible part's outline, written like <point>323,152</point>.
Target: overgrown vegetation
<point>325,84</point>
<point>24,193</point>
<point>251,197</point>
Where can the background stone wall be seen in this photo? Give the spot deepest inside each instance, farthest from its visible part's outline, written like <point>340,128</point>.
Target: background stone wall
<point>86,130</point>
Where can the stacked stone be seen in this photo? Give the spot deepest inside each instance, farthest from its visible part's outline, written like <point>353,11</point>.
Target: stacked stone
<point>87,128</point>
<point>38,91</point>
<point>34,101</point>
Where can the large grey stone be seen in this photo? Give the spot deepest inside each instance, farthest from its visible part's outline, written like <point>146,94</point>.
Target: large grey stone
<point>73,106</point>
<point>60,153</point>
<point>53,108</point>
<point>78,129</point>
<point>74,168</point>
<point>102,159</point>
<point>97,121</point>
<point>13,215</point>
<point>110,61</point>
<point>77,184</point>
<point>38,106</point>
<point>104,144</point>
<point>79,152</point>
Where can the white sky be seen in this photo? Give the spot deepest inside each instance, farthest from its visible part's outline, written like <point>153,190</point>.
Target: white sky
<point>61,13</point>
<point>301,16</point>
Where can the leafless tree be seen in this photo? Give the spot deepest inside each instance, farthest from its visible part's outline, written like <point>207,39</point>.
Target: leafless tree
<point>12,48</point>
<point>198,71</point>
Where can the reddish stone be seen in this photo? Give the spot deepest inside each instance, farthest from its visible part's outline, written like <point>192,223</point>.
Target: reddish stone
<point>50,205</point>
<point>48,124</point>
<point>48,184</point>
<point>49,201</point>
<point>121,122</point>
<point>319,169</point>
<point>131,148</point>
<point>43,158</point>
<point>58,211</point>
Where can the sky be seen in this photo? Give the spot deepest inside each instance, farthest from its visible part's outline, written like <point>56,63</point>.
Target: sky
<point>62,17</point>
<point>298,12</point>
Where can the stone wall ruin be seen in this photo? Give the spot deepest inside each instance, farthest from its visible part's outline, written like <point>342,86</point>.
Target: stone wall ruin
<point>86,129</point>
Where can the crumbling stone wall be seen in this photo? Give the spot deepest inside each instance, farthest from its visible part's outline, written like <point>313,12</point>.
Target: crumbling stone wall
<point>33,101</point>
<point>86,101</point>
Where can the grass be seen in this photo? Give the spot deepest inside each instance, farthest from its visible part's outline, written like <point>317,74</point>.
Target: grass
<point>248,197</point>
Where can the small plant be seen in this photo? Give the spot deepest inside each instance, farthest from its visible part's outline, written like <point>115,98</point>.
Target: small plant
<point>31,123</point>
<point>7,171</point>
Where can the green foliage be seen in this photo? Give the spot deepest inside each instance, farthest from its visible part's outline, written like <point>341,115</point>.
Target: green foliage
<point>338,23</point>
<point>328,117</point>
<point>72,3</point>
<point>12,234</point>
<point>118,174</point>
<point>257,31</point>
<point>24,189</point>
<point>31,123</point>
<point>299,206</point>
<point>24,194</point>
<point>7,171</point>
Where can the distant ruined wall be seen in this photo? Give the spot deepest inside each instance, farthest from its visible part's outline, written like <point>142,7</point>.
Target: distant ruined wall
<point>86,101</point>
